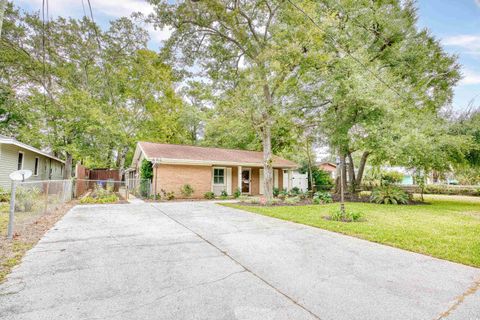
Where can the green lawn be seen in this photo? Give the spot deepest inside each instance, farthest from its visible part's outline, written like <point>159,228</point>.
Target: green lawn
<point>447,228</point>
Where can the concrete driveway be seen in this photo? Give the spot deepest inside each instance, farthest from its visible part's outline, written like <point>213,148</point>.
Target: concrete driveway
<point>199,260</point>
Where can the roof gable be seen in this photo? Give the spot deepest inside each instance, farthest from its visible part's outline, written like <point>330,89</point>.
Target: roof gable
<point>12,141</point>
<point>173,153</point>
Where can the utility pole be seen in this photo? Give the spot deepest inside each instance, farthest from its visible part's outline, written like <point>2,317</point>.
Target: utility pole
<point>3,6</point>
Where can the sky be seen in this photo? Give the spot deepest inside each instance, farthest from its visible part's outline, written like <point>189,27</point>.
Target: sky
<point>456,23</point>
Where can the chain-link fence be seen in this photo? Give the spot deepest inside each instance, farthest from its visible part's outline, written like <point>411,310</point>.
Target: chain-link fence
<point>32,200</point>
<point>123,190</point>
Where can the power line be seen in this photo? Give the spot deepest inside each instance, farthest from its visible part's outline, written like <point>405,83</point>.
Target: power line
<point>107,79</point>
<point>346,51</point>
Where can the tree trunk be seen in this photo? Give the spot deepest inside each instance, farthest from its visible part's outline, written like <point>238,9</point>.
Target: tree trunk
<point>267,163</point>
<point>351,173</point>
<point>341,171</point>
<point>310,173</point>
<point>361,168</point>
<point>267,145</point>
<point>3,6</point>
<point>67,173</point>
<point>121,161</point>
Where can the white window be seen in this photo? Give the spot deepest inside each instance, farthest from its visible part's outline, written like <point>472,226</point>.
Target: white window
<point>20,161</point>
<point>219,176</point>
<point>35,169</point>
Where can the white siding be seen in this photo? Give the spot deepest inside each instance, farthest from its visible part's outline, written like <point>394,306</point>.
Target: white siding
<point>9,160</point>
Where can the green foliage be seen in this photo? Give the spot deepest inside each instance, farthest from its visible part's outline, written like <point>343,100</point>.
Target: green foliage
<point>322,197</point>
<point>4,195</point>
<point>253,200</point>
<point>348,216</point>
<point>295,191</point>
<point>237,193</point>
<point>146,170</point>
<point>209,195</point>
<point>100,195</point>
<point>224,194</point>
<point>389,195</point>
<point>25,198</point>
<point>321,179</point>
<point>106,199</point>
<point>187,190</point>
<point>444,228</point>
<point>283,193</point>
<point>276,192</point>
<point>391,177</point>
<point>292,200</point>
<point>452,190</point>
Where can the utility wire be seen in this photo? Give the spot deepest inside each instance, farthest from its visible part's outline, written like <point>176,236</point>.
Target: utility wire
<point>309,18</point>
<point>107,79</point>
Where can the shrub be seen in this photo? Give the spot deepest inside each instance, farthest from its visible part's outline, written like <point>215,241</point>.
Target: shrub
<point>170,195</point>
<point>224,194</point>
<point>243,198</point>
<point>283,194</point>
<point>253,200</point>
<point>292,200</point>
<point>320,178</point>
<point>237,193</point>
<point>391,177</point>
<point>112,198</point>
<point>349,216</point>
<point>25,198</point>
<point>276,192</point>
<point>303,195</point>
<point>389,195</point>
<point>295,191</point>
<point>4,195</point>
<point>187,190</point>
<point>273,202</point>
<point>322,197</point>
<point>209,195</point>
<point>145,188</point>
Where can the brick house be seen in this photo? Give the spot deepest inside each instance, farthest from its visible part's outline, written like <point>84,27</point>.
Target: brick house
<point>207,169</point>
<point>329,167</point>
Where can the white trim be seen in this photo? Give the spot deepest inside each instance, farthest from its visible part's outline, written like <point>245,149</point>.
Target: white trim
<point>23,159</point>
<point>275,178</point>
<point>229,180</point>
<point>261,177</point>
<point>29,148</point>
<point>249,180</point>
<point>224,176</point>
<point>37,163</point>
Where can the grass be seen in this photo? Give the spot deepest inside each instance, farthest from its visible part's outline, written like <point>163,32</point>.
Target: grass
<point>448,227</point>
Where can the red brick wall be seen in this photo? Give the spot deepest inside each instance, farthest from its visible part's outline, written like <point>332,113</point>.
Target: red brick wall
<point>172,177</point>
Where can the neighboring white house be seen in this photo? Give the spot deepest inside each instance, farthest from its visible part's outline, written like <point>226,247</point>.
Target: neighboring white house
<point>15,155</point>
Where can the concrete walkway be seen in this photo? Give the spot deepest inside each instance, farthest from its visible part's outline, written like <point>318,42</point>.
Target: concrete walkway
<point>199,260</point>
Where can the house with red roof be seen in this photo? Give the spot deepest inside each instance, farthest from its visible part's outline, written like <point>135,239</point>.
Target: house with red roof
<point>208,169</point>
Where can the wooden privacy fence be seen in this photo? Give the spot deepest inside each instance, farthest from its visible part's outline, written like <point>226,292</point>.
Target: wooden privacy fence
<point>95,175</point>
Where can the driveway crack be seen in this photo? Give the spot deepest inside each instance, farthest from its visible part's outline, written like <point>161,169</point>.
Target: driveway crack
<point>291,299</point>
<point>460,299</point>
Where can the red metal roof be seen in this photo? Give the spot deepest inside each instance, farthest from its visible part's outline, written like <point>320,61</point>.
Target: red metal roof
<point>172,152</point>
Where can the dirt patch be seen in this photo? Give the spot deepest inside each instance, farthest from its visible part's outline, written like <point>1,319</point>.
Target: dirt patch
<point>12,252</point>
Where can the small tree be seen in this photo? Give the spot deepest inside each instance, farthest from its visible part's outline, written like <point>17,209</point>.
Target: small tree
<point>146,175</point>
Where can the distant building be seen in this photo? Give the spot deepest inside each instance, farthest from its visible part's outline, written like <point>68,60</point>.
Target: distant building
<point>15,155</point>
<point>329,167</point>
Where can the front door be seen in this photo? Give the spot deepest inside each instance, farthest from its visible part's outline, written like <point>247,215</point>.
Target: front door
<point>246,181</point>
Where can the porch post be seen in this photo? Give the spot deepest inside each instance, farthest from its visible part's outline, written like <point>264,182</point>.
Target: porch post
<point>289,179</point>
<point>239,178</point>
